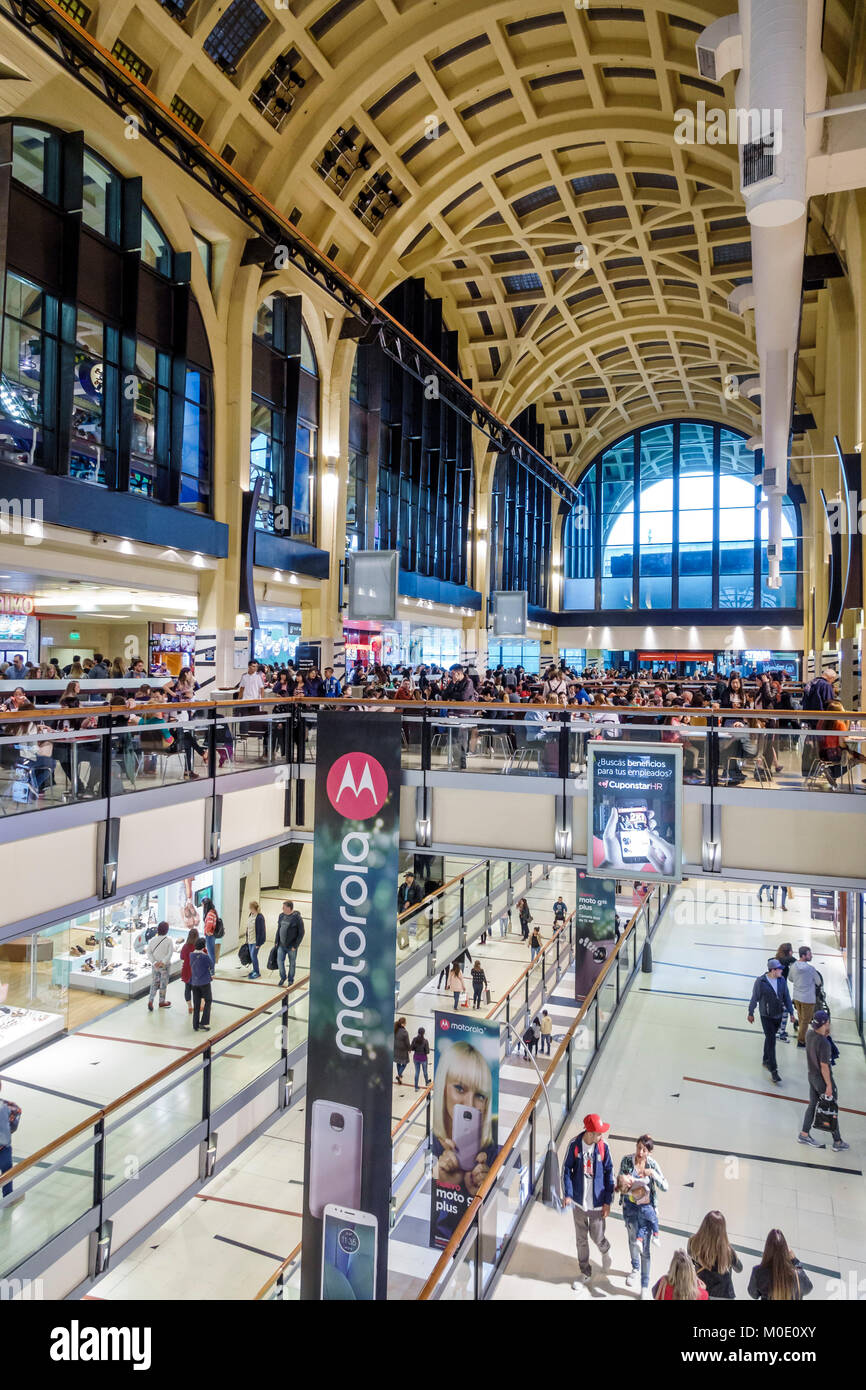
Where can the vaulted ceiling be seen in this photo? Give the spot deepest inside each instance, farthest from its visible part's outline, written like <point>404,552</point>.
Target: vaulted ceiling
<point>520,155</point>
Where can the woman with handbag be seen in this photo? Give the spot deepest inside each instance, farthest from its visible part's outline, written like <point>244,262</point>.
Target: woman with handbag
<point>186,951</point>
<point>256,935</point>
<point>713,1256</point>
<point>479,980</point>
<point>779,1277</point>
<point>456,984</point>
<point>525,917</point>
<point>420,1048</point>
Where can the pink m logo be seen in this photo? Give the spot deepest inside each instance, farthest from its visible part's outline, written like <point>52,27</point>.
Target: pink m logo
<point>357,786</point>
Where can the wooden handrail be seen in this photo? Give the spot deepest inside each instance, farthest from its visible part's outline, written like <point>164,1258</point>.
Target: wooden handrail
<point>149,1081</point>
<point>499,1161</point>
<point>277,1272</point>
<point>437,891</point>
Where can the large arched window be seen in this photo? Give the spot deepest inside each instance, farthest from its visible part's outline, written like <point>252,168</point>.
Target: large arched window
<point>668,518</point>
<point>284,438</point>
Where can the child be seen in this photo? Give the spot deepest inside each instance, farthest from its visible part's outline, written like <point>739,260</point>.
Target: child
<point>636,1189</point>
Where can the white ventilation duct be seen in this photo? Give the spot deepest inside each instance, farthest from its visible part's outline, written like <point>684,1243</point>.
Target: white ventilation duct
<point>782,66</point>
<point>742,299</point>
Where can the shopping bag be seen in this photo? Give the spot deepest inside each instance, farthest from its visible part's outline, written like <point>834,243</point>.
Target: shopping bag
<point>273,961</point>
<point>826,1115</point>
<point>487,996</point>
<point>244,954</point>
<point>464,1000</point>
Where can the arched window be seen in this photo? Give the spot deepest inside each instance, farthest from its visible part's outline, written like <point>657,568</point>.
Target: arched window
<point>683,498</point>
<point>284,436</point>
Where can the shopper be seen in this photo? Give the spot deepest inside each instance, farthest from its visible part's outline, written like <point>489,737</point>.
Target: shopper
<point>525,917</point>
<point>681,1283</point>
<point>456,983</point>
<point>640,1179</point>
<point>779,1277</point>
<point>256,935</point>
<point>410,893</point>
<point>504,923</point>
<point>210,926</point>
<point>290,934</point>
<point>546,1032</point>
<point>401,1048</point>
<point>560,911</point>
<point>714,1258</point>
<point>159,951</point>
<point>479,984</point>
<point>10,1118</point>
<point>805,980</point>
<point>534,944</point>
<point>186,950</point>
<point>785,956</point>
<point>202,972</point>
<point>420,1052</point>
<point>587,1186</point>
<point>771,995</point>
<point>819,1059</point>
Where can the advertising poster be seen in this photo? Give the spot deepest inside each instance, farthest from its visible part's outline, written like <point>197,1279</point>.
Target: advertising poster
<point>465,1117</point>
<point>347,1173</point>
<point>634,816</point>
<point>594,930</point>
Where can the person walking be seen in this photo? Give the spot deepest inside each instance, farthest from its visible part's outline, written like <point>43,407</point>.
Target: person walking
<point>587,1187</point>
<point>546,1032</point>
<point>201,972</point>
<point>159,951</point>
<point>681,1283</point>
<point>640,1179</point>
<point>186,950</point>
<point>525,918</point>
<point>714,1258</point>
<point>290,934</point>
<point>780,1276</point>
<point>256,935</point>
<point>504,923</point>
<point>210,926</point>
<point>534,944</point>
<point>819,1059</point>
<point>420,1052</point>
<point>786,958</point>
<point>805,978</point>
<point>768,889</point>
<point>479,983</point>
<point>560,912</point>
<point>771,995</point>
<point>401,1048</point>
<point>456,983</point>
<point>10,1118</point>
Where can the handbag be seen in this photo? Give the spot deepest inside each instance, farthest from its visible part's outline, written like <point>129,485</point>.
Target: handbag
<point>273,962</point>
<point>487,995</point>
<point>826,1115</point>
<point>464,1000</point>
<point>244,954</point>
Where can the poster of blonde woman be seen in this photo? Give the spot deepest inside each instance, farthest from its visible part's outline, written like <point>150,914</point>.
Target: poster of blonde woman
<point>465,1117</point>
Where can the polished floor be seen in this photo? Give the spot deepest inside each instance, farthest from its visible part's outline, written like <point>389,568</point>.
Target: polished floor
<point>684,1065</point>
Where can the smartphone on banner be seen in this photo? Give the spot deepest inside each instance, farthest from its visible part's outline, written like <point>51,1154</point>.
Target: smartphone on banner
<point>336,1138</point>
<point>632,828</point>
<point>466,1134</point>
<point>349,1251</point>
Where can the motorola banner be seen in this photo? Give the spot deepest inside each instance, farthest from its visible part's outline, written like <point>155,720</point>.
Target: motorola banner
<point>347,1174</point>
<point>465,1120</point>
<point>595,930</point>
<point>634,817</point>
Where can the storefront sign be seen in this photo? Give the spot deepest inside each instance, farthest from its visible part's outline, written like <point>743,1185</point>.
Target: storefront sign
<point>822,904</point>
<point>347,1175</point>
<point>594,930</point>
<point>186,628</point>
<point>17,603</point>
<point>635,810</point>
<point>465,1117</point>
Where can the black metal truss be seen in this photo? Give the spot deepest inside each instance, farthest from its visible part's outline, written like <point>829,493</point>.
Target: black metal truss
<point>61,38</point>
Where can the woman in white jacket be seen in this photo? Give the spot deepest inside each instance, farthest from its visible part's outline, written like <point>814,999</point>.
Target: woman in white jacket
<point>159,950</point>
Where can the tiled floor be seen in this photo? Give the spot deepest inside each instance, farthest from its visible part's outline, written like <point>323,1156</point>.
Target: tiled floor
<point>684,1065</point>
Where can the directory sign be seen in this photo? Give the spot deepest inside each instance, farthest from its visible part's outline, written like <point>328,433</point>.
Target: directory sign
<point>634,812</point>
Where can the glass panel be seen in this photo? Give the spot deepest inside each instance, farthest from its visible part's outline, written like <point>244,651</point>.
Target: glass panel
<point>34,159</point>
<point>303,490</point>
<point>87,453</point>
<point>150,1124</point>
<point>144,422</point>
<point>195,446</point>
<point>264,322</point>
<point>23,367</point>
<point>246,1056</point>
<point>155,249</point>
<point>101,198</point>
<point>50,1206</point>
<point>504,1205</point>
<point>308,355</point>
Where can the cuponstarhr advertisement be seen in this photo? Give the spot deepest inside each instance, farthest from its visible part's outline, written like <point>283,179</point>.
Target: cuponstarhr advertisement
<point>465,1117</point>
<point>347,1173</point>
<point>594,930</point>
<point>635,811</point>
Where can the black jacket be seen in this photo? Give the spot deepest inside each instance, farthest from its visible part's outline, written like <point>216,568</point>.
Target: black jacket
<point>770,1004</point>
<point>290,930</point>
<point>409,895</point>
<point>718,1285</point>
<point>759,1284</point>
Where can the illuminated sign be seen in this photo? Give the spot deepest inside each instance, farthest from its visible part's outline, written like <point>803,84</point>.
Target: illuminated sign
<point>17,603</point>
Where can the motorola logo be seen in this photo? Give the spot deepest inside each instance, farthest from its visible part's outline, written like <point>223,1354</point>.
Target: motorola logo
<point>357,786</point>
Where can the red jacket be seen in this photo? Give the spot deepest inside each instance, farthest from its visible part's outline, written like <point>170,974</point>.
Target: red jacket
<point>665,1291</point>
<point>185,971</point>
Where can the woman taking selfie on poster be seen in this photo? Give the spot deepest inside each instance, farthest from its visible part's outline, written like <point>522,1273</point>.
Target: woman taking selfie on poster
<point>463,1143</point>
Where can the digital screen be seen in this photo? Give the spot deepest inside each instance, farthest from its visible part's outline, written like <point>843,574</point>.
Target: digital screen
<point>634,820</point>
<point>13,628</point>
<point>349,1261</point>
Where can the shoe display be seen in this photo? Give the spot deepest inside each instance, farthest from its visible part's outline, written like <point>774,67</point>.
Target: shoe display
<point>91,940</point>
<point>88,968</point>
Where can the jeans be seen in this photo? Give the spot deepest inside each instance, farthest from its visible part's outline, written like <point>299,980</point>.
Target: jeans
<point>158,982</point>
<point>809,1117</point>
<point>546,1039</point>
<point>254,959</point>
<point>210,942</point>
<point>421,1065</point>
<point>201,994</point>
<point>457,994</point>
<point>6,1162</point>
<point>290,955</point>
<point>765,887</point>
<point>476,998</point>
<point>401,1067</point>
<point>640,1255</point>
<point>534,950</point>
<point>771,1028</point>
<point>503,926</point>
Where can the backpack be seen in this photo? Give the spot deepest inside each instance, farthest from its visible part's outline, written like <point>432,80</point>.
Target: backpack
<point>219,930</point>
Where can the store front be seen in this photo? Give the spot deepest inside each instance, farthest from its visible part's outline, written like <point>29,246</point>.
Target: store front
<point>364,644</point>
<point>276,639</point>
<point>512,653</point>
<point>171,647</point>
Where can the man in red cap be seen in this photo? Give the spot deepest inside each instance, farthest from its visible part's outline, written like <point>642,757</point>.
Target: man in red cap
<point>587,1185</point>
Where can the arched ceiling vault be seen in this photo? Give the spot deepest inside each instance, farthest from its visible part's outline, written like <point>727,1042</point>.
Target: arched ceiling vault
<point>520,155</point>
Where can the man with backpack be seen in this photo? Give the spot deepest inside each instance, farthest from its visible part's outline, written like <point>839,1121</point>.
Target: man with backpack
<point>770,993</point>
<point>587,1186</point>
<point>290,934</point>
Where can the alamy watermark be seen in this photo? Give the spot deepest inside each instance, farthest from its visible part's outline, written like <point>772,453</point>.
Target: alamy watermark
<point>22,516</point>
<point>738,125</point>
